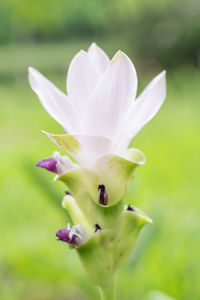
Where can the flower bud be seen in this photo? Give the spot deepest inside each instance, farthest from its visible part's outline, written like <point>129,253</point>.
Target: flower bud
<point>74,235</point>
<point>57,164</point>
<point>48,164</point>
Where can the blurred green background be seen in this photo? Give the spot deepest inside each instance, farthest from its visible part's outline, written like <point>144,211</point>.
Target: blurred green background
<point>157,35</point>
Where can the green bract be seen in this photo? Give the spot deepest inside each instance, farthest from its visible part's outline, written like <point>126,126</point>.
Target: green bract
<point>113,171</point>
<point>104,216</point>
<point>108,249</point>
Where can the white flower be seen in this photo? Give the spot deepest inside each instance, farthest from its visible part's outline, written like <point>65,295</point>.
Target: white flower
<point>99,112</point>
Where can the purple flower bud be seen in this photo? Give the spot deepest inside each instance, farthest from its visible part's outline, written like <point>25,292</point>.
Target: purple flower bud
<point>75,235</point>
<point>67,192</point>
<point>67,236</point>
<point>103,196</point>
<point>48,164</point>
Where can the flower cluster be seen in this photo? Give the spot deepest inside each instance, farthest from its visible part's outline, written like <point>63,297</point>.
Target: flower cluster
<point>100,114</point>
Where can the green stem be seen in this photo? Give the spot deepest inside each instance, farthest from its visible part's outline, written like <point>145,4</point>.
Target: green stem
<point>108,292</point>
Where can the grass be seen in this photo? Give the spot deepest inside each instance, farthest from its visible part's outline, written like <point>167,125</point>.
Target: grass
<point>32,264</point>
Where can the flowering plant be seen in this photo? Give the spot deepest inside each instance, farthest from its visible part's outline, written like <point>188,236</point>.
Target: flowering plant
<point>100,115</point>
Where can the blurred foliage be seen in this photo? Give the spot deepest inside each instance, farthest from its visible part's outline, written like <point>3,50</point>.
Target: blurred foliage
<point>156,295</point>
<point>46,35</point>
<point>33,265</point>
<point>167,31</point>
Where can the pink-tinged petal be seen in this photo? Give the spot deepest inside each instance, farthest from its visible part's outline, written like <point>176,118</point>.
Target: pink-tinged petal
<point>82,77</point>
<point>54,101</point>
<point>57,164</point>
<point>64,163</point>
<point>86,150</point>
<point>98,57</point>
<point>48,164</point>
<point>93,147</point>
<point>112,97</point>
<point>143,109</point>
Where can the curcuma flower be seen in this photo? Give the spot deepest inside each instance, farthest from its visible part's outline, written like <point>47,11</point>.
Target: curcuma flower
<point>100,112</point>
<point>100,115</point>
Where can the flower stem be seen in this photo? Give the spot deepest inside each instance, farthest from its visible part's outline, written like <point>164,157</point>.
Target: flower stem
<point>108,292</point>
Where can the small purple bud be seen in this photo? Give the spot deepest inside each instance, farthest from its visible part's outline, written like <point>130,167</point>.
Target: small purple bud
<point>131,208</point>
<point>65,236</point>
<point>96,228</point>
<point>103,196</point>
<point>67,192</point>
<point>48,164</point>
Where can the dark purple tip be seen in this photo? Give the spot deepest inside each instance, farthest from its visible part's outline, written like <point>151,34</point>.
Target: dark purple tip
<point>131,208</point>
<point>67,192</point>
<point>96,227</point>
<point>64,236</point>
<point>48,164</point>
<point>103,196</point>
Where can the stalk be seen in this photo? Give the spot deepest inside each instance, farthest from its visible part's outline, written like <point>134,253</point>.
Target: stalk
<point>108,292</point>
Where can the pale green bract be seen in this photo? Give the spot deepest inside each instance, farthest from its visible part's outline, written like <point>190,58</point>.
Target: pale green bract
<point>100,115</point>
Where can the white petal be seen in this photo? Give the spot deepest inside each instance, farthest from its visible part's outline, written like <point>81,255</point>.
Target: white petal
<point>144,108</point>
<point>82,232</point>
<point>64,164</point>
<point>148,103</point>
<point>98,57</point>
<point>112,97</point>
<point>82,77</point>
<point>54,101</point>
<point>93,147</point>
<point>83,148</point>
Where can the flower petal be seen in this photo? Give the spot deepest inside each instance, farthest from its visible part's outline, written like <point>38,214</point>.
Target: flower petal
<point>48,163</point>
<point>84,149</point>
<point>57,164</point>
<point>112,97</point>
<point>54,101</point>
<point>82,77</point>
<point>64,163</point>
<point>143,109</point>
<point>98,57</point>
